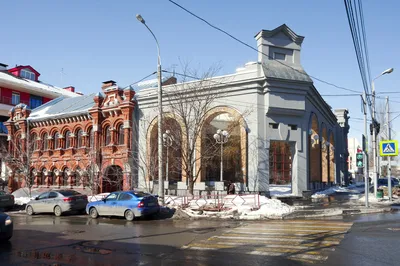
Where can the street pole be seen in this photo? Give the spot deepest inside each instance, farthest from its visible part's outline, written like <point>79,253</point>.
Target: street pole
<point>374,175</point>
<point>389,170</point>
<point>387,71</point>
<point>160,116</point>
<point>221,137</point>
<point>366,163</point>
<point>221,176</point>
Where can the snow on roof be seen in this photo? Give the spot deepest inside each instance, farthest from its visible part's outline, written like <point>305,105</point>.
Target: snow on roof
<point>63,107</point>
<point>9,79</point>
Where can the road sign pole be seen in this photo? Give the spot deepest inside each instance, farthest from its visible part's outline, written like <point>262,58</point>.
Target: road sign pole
<point>389,170</point>
<point>365,150</point>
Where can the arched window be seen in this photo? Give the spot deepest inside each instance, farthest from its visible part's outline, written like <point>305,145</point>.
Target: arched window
<point>33,142</point>
<point>64,180</point>
<point>56,140</point>
<point>107,136</point>
<point>42,179</point>
<point>67,139</point>
<point>121,134</point>
<point>91,137</point>
<point>80,139</point>
<point>45,141</point>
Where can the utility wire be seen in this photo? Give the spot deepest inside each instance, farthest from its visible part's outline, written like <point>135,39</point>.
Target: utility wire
<point>141,79</point>
<point>340,95</point>
<point>251,47</point>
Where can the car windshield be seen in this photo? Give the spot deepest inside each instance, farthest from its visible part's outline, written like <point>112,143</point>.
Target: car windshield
<point>140,194</point>
<point>67,193</point>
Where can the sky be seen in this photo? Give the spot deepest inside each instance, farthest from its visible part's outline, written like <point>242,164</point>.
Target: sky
<point>83,43</point>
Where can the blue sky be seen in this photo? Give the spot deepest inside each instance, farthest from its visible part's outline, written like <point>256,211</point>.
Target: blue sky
<point>94,41</point>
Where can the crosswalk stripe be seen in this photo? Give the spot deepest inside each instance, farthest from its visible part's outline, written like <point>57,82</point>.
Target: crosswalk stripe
<point>293,233</point>
<point>303,241</point>
<point>289,236</point>
<point>290,240</point>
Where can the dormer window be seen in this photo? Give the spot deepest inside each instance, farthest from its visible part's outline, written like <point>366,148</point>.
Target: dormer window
<point>280,56</point>
<point>27,74</point>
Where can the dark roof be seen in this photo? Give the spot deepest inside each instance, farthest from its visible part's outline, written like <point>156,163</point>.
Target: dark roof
<point>274,69</point>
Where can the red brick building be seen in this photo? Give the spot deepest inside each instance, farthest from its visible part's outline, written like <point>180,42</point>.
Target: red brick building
<point>82,142</point>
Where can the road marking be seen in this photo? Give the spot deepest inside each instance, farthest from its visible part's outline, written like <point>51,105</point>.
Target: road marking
<point>304,241</point>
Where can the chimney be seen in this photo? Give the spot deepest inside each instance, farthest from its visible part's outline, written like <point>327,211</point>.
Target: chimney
<point>70,88</point>
<point>280,44</point>
<point>169,81</point>
<point>108,83</point>
<point>3,67</point>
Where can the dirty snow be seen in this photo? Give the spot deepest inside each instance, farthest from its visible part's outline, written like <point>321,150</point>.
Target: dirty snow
<point>277,190</point>
<point>354,189</point>
<point>234,206</point>
<point>97,197</point>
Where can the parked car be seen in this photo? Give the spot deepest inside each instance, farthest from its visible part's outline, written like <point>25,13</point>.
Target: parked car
<point>384,182</point>
<point>128,204</point>
<point>6,227</point>
<point>6,200</point>
<point>58,202</point>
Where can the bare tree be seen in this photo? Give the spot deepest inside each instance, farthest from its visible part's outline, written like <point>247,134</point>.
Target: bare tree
<point>18,162</point>
<point>188,103</point>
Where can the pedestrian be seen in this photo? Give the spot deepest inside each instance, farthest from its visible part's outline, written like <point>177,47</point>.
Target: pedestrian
<point>231,188</point>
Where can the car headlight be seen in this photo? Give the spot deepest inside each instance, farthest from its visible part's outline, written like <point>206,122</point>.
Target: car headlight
<point>8,220</point>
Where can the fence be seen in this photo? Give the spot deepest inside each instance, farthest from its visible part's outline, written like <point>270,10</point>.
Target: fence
<point>216,201</point>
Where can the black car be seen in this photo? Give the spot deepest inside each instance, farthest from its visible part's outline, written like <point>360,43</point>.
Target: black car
<point>6,227</point>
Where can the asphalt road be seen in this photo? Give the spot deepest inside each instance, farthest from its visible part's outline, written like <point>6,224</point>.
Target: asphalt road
<point>80,240</point>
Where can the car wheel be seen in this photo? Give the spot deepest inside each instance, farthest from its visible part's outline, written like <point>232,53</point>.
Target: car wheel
<point>29,210</point>
<point>93,213</point>
<point>57,211</point>
<point>129,216</point>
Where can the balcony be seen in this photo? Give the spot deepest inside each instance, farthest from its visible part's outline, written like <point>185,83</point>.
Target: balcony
<point>8,101</point>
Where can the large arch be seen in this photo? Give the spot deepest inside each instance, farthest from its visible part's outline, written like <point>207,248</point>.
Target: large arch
<point>314,149</point>
<point>175,144</point>
<point>324,154</point>
<point>332,161</point>
<point>234,152</point>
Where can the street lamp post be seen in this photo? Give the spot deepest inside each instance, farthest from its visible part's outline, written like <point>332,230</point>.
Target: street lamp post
<point>167,140</point>
<point>160,118</point>
<point>221,137</point>
<point>374,153</point>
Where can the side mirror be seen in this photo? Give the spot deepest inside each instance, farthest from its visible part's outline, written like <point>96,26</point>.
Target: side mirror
<point>36,198</point>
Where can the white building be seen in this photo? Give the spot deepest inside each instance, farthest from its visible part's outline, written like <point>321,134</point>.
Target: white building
<point>287,135</point>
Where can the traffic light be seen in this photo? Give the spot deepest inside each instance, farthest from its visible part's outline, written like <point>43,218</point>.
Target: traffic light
<point>375,125</point>
<point>360,160</point>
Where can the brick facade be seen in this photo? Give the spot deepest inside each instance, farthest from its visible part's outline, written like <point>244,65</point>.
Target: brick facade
<point>90,149</point>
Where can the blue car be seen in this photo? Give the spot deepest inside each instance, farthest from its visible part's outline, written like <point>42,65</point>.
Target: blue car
<point>128,204</point>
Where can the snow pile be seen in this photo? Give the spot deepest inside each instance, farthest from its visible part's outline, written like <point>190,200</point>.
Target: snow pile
<point>239,207</point>
<point>277,190</point>
<point>22,200</point>
<point>97,197</point>
<point>354,189</point>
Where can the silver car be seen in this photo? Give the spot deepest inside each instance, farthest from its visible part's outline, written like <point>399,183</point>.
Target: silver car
<point>57,202</point>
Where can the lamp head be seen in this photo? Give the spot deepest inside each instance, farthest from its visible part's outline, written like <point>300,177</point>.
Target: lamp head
<point>216,136</point>
<point>388,71</point>
<point>140,18</point>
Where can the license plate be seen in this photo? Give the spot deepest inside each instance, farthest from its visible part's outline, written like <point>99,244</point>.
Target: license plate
<point>151,204</point>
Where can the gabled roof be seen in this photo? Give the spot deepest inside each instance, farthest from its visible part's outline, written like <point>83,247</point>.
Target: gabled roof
<point>282,28</point>
<point>24,67</point>
<point>63,107</point>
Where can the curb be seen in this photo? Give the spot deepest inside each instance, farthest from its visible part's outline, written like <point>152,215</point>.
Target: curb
<point>337,212</point>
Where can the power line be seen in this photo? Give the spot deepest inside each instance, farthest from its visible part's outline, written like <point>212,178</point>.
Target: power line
<point>141,79</point>
<point>397,116</point>
<point>340,95</point>
<point>251,47</point>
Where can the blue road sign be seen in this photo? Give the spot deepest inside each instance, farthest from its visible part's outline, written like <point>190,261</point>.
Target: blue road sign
<point>388,148</point>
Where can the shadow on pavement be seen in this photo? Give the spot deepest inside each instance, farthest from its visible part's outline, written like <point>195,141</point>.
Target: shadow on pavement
<point>55,249</point>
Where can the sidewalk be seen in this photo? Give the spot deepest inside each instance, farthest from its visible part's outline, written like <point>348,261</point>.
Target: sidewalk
<point>342,204</point>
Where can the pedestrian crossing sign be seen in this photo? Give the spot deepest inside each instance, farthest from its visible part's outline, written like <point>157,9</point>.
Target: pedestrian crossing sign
<point>388,148</point>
